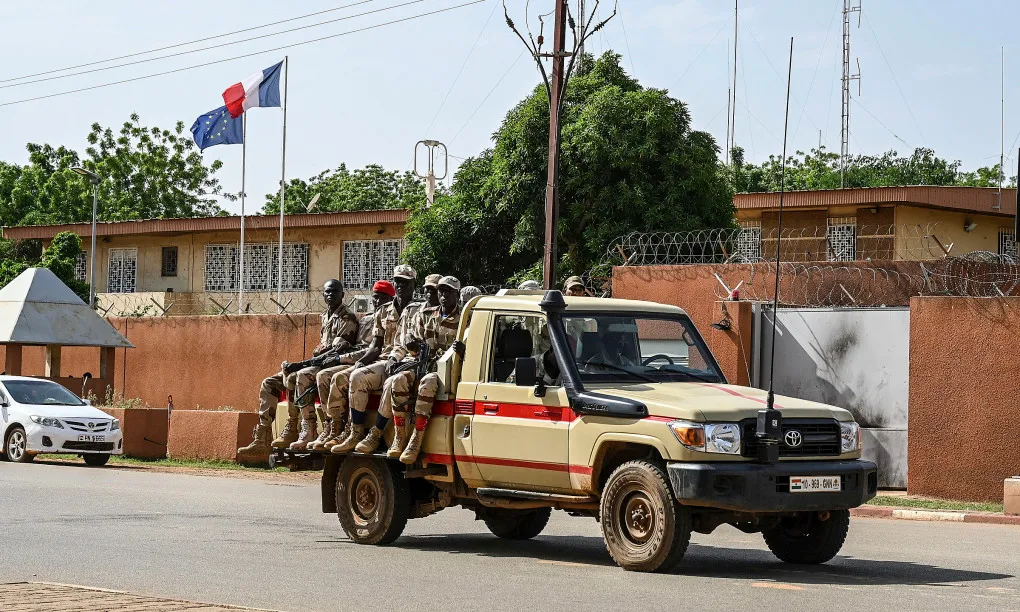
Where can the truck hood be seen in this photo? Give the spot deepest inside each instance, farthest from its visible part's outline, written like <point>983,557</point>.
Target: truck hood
<point>714,402</point>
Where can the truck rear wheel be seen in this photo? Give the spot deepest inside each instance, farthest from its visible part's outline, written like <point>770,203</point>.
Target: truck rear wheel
<point>806,538</point>
<point>644,527</point>
<point>517,524</point>
<point>372,500</point>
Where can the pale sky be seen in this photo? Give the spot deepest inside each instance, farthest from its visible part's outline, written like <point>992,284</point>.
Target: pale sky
<point>931,75</point>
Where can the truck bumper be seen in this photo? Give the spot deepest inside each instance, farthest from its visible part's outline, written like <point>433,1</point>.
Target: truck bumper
<point>753,487</point>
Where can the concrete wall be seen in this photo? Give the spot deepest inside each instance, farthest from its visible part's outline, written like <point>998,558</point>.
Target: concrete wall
<point>985,237</point>
<point>964,396</point>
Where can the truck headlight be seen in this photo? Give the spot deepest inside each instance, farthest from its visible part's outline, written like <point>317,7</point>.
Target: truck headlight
<point>721,438</point>
<point>46,421</point>
<point>850,437</point>
<point>115,425</point>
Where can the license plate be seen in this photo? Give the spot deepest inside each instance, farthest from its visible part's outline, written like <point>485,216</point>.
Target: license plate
<point>86,438</point>
<point>815,484</point>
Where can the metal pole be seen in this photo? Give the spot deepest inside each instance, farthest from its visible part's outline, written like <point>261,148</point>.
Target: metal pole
<point>92,252</point>
<point>283,184</point>
<point>1016,214</point>
<point>240,258</point>
<point>551,187</point>
<point>1002,122</point>
<point>733,119</point>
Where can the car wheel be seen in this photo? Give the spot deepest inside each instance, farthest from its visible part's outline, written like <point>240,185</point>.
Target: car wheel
<point>16,446</point>
<point>95,460</point>
<point>373,501</point>
<point>645,528</point>
<point>517,524</point>
<point>806,538</point>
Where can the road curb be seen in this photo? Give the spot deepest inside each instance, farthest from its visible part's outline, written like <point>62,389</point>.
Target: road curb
<point>910,514</point>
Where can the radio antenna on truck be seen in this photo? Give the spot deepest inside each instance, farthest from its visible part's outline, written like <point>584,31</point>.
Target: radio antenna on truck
<point>769,423</point>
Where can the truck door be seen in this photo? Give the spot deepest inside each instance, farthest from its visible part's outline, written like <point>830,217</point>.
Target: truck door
<point>519,440</point>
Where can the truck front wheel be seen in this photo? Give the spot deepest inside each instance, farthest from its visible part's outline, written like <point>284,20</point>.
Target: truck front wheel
<point>517,524</point>
<point>806,538</point>
<point>372,500</point>
<point>644,527</point>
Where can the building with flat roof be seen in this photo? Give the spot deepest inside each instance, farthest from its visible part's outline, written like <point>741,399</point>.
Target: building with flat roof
<point>190,266</point>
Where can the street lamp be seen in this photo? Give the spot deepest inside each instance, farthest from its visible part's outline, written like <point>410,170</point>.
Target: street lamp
<point>94,178</point>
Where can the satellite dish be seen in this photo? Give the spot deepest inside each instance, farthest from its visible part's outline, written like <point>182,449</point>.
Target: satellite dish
<point>311,205</point>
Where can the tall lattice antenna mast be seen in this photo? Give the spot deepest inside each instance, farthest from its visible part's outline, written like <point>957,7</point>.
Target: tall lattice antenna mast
<point>848,8</point>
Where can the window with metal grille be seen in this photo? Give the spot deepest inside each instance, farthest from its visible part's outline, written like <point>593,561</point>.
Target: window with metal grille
<point>169,267</point>
<point>122,271</point>
<point>841,239</point>
<point>366,261</point>
<point>260,266</point>
<point>220,267</point>
<point>81,267</point>
<point>1007,242</point>
<point>749,241</point>
<point>295,266</point>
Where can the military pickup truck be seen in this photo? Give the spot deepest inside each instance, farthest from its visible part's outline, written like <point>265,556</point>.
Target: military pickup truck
<point>615,410</point>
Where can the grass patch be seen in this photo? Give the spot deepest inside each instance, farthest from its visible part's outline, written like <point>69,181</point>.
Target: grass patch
<point>184,463</point>
<point>935,504</point>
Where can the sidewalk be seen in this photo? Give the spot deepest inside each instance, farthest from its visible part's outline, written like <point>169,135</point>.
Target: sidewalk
<point>70,598</point>
<point>908,513</point>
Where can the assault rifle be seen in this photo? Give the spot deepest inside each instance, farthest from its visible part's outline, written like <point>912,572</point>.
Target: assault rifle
<point>420,366</point>
<point>323,360</point>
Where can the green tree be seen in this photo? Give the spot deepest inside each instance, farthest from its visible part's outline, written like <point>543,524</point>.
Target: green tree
<point>60,258</point>
<point>147,173</point>
<point>368,188</point>
<point>630,162</point>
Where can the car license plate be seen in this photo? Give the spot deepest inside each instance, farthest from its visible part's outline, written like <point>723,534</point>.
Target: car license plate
<point>86,438</point>
<point>815,484</point>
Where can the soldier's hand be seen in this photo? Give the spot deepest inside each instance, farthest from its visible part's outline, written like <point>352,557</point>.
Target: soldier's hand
<point>459,348</point>
<point>284,366</point>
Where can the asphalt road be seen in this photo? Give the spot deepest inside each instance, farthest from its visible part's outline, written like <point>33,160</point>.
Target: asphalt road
<point>265,544</point>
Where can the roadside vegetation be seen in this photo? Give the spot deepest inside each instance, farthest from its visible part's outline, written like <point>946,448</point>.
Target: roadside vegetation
<point>177,463</point>
<point>934,504</point>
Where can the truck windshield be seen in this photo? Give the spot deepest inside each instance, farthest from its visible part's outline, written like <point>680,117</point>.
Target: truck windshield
<point>41,393</point>
<point>616,347</point>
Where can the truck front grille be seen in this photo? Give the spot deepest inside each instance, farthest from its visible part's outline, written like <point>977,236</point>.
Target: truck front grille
<point>820,438</point>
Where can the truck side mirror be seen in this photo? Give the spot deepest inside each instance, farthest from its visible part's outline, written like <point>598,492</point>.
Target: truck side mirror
<point>525,372</point>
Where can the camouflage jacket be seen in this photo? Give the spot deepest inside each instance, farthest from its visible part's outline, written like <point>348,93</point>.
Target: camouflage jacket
<point>436,330</point>
<point>393,326</point>
<point>339,328</point>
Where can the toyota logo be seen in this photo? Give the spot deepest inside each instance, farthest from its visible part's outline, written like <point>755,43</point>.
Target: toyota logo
<point>794,439</point>
<point>92,425</point>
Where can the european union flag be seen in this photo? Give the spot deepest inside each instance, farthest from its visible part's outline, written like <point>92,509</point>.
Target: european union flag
<point>217,127</point>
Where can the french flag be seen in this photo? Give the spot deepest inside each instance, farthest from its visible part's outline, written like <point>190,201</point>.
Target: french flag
<point>258,90</point>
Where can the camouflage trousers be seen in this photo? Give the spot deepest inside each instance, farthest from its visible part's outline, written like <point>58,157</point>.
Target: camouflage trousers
<point>365,381</point>
<point>397,394</point>
<point>273,386</point>
<point>335,383</point>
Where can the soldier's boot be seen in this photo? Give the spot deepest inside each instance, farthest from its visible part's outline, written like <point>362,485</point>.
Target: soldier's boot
<point>309,432</point>
<point>356,433</point>
<point>338,430</point>
<point>317,444</point>
<point>260,447</point>
<point>410,454</point>
<point>288,436</point>
<point>370,443</point>
<point>399,436</point>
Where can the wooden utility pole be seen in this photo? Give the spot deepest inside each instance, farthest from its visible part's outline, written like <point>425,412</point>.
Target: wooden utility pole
<point>552,186</point>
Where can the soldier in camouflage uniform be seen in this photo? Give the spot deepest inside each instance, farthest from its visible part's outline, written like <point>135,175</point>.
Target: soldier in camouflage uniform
<point>394,322</point>
<point>574,286</point>
<point>436,326</point>
<point>339,330</point>
<point>335,404</point>
<point>431,286</point>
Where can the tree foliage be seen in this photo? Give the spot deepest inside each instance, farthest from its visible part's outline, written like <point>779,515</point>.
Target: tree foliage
<point>368,188</point>
<point>820,169</point>
<point>60,258</point>
<point>630,162</point>
<point>147,173</point>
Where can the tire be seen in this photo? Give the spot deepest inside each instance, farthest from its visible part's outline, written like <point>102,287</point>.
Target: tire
<point>517,524</point>
<point>95,460</point>
<point>15,446</point>
<point>644,527</point>
<point>373,501</point>
<point>806,539</point>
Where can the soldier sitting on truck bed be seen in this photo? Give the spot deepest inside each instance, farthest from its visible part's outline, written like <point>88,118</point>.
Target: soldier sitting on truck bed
<point>334,405</point>
<point>436,326</point>
<point>339,330</point>
<point>393,324</point>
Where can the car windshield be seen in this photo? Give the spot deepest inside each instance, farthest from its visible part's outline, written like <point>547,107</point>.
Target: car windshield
<point>616,347</point>
<point>41,392</point>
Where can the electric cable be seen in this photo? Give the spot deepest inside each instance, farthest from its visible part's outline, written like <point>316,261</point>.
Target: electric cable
<point>895,81</point>
<point>821,52</point>
<point>896,136</point>
<point>703,50</point>
<point>244,56</point>
<point>626,41</point>
<point>486,98</point>
<point>803,107</point>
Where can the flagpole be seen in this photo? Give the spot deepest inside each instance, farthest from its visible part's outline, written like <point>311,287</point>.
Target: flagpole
<point>283,186</point>
<point>244,165</point>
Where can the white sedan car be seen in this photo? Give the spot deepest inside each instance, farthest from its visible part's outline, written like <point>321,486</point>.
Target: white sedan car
<point>39,416</point>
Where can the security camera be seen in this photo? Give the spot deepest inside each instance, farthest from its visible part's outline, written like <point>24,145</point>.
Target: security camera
<point>969,226</point>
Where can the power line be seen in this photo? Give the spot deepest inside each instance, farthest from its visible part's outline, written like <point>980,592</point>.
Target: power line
<point>184,44</point>
<point>803,107</point>
<point>703,50</point>
<point>895,81</point>
<point>237,57</point>
<point>486,98</point>
<point>821,52</point>
<point>626,41</point>
<point>896,136</point>
<point>211,47</point>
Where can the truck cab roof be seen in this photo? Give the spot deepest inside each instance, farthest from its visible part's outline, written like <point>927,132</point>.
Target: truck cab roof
<point>529,302</point>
